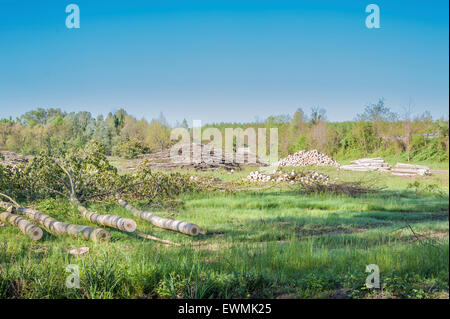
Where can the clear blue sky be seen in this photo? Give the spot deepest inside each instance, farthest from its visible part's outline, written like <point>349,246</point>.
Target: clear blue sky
<point>223,60</point>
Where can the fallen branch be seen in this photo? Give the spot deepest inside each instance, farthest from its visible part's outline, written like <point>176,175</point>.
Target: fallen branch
<point>10,199</point>
<point>175,225</point>
<point>146,236</point>
<point>125,224</point>
<point>28,228</point>
<point>57,227</point>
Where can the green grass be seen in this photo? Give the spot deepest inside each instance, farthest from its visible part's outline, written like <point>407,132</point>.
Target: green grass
<point>268,243</point>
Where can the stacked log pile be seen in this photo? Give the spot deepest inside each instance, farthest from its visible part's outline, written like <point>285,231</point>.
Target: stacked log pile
<point>410,170</point>
<point>292,177</point>
<point>11,158</point>
<point>209,160</point>
<point>307,158</point>
<point>367,165</point>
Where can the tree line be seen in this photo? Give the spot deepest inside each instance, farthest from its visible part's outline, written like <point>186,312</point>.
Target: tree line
<point>377,131</point>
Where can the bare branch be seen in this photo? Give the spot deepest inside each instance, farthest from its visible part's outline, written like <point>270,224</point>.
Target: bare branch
<point>10,199</point>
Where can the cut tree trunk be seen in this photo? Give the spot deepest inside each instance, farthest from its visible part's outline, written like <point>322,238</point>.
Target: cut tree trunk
<point>402,169</point>
<point>125,224</point>
<point>28,228</point>
<point>60,228</point>
<point>175,225</point>
<point>367,165</point>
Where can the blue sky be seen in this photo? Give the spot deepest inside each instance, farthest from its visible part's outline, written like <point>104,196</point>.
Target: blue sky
<point>223,60</point>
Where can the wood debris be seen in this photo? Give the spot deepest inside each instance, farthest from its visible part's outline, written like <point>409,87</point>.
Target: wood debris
<point>367,165</point>
<point>11,158</point>
<point>307,158</point>
<point>208,160</point>
<point>79,251</point>
<point>409,170</point>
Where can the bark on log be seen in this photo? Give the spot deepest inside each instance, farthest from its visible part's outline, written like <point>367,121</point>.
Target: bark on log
<point>28,228</point>
<point>176,225</point>
<point>60,228</point>
<point>146,236</point>
<point>125,224</point>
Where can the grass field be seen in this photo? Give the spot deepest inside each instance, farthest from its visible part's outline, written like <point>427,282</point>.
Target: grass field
<point>272,243</point>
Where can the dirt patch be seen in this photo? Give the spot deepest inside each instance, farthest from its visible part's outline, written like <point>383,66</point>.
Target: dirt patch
<point>425,238</point>
<point>314,230</point>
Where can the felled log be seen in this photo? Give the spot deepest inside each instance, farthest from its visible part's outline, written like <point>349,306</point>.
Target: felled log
<point>360,168</point>
<point>175,225</point>
<point>403,174</point>
<point>410,170</point>
<point>367,165</point>
<point>368,160</point>
<point>125,224</point>
<point>57,227</point>
<point>28,228</point>
<point>411,166</point>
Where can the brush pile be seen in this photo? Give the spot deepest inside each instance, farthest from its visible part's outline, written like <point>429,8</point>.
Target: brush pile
<point>367,165</point>
<point>292,177</point>
<point>307,158</point>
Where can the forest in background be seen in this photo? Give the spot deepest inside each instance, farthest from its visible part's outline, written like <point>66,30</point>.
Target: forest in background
<point>376,131</point>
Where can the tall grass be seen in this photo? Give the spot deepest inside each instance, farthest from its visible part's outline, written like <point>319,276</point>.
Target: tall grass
<point>257,244</point>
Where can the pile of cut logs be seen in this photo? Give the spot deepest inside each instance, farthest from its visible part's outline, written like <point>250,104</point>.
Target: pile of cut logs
<point>367,165</point>
<point>292,177</point>
<point>307,158</point>
<point>402,169</point>
<point>204,158</point>
<point>11,158</point>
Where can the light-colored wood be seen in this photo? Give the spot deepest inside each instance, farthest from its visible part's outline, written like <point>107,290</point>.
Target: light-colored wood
<point>367,165</point>
<point>402,169</point>
<point>146,236</point>
<point>28,228</point>
<point>125,224</point>
<point>175,225</point>
<point>358,168</point>
<point>403,174</point>
<point>57,227</point>
<point>411,166</point>
<point>79,251</point>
